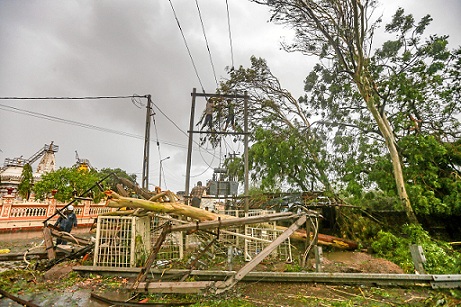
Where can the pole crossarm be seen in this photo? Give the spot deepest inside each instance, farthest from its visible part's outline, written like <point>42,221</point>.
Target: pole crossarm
<point>218,95</point>
<point>219,132</point>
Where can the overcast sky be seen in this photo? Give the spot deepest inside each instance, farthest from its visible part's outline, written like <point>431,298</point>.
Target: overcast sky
<point>119,48</point>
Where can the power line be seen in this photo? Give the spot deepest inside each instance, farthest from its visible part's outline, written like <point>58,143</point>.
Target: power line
<point>72,98</point>
<point>91,127</point>
<point>206,41</point>
<point>79,124</point>
<point>171,121</point>
<point>230,34</point>
<point>187,46</point>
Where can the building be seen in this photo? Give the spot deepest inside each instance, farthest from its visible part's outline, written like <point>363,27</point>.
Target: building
<point>11,171</point>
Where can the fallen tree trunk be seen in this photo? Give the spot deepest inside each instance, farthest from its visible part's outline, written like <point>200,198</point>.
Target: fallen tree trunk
<point>140,191</point>
<point>171,206</point>
<point>168,202</point>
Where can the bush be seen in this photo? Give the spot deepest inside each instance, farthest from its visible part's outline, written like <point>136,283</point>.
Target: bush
<point>440,256</point>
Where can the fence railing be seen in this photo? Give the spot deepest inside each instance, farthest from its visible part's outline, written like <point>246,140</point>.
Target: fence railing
<point>13,210</point>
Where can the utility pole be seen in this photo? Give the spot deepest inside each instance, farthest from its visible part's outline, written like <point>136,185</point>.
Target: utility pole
<point>245,154</point>
<point>191,132</point>
<point>191,137</point>
<point>145,164</point>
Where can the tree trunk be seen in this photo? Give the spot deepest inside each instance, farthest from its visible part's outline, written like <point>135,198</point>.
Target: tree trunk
<point>388,135</point>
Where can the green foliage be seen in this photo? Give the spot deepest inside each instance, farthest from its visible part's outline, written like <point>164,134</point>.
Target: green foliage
<point>432,171</point>
<point>70,181</point>
<point>294,268</point>
<point>280,156</point>
<point>67,181</point>
<point>432,167</point>
<point>354,225</point>
<point>440,257</point>
<point>284,150</point>
<point>14,281</point>
<point>27,181</point>
<point>411,84</point>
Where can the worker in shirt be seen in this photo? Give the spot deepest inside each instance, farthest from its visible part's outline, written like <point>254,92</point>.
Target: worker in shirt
<point>66,224</point>
<point>197,193</point>
<point>209,108</point>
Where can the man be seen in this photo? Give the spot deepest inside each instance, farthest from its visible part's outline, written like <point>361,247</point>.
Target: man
<point>230,119</point>
<point>66,225</point>
<point>209,114</point>
<point>196,194</point>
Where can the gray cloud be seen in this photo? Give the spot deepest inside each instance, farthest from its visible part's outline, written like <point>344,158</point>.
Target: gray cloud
<point>104,48</point>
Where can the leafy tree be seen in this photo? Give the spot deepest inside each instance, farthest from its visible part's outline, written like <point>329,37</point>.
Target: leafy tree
<point>432,169</point>
<point>27,181</point>
<point>68,182</point>
<point>277,118</point>
<point>382,95</point>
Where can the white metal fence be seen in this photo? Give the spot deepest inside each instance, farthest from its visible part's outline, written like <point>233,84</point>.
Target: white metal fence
<point>122,241</point>
<point>127,241</point>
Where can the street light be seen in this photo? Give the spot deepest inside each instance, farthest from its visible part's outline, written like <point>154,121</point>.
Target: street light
<point>160,174</point>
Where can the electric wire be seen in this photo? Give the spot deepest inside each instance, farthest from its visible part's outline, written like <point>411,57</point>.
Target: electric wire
<point>171,121</point>
<point>206,42</point>
<point>65,121</point>
<point>79,124</point>
<point>230,34</point>
<point>181,130</point>
<point>91,127</point>
<point>72,98</point>
<point>158,149</point>
<point>187,46</point>
<point>209,165</point>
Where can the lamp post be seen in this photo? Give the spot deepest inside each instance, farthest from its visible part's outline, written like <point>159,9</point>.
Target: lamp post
<point>160,174</point>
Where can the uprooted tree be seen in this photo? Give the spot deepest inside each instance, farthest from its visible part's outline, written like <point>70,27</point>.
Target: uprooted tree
<point>404,94</point>
<point>341,32</point>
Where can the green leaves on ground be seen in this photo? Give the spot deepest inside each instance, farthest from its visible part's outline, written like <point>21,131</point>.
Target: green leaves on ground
<point>440,256</point>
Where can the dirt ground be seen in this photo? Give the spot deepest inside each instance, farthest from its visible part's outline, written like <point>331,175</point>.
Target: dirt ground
<point>61,287</point>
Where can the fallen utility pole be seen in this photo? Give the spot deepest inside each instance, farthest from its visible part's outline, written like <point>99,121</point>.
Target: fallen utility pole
<point>208,276</point>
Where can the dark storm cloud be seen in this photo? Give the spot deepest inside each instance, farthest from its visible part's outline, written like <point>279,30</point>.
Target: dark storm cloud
<point>110,48</point>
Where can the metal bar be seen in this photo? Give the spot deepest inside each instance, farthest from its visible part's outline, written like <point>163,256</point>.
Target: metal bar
<point>174,287</point>
<point>302,277</point>
<point>145,269</point>
<point>195,261</point>
<point>234,221</point>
